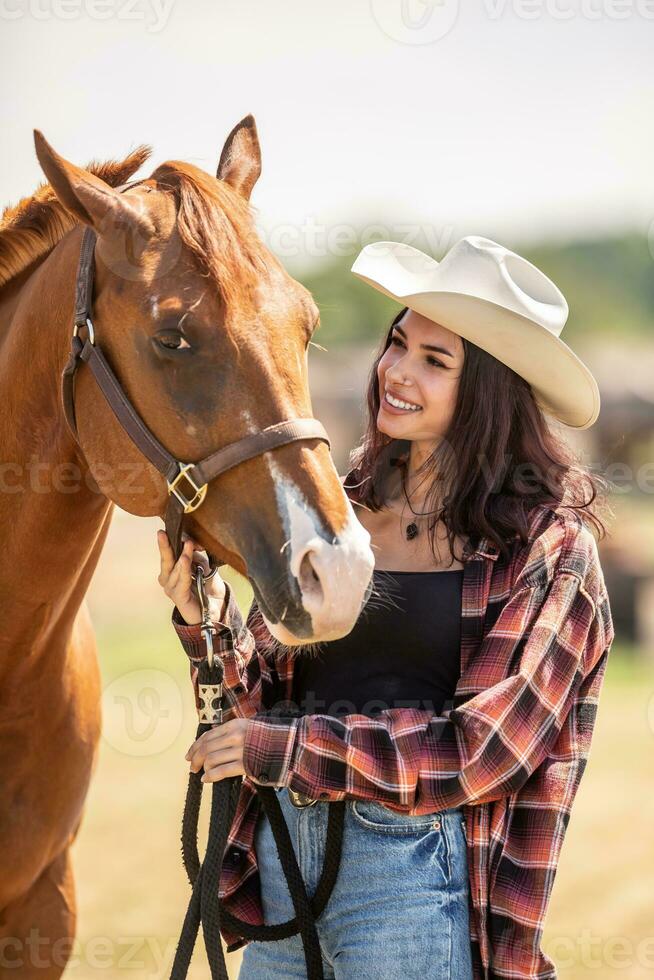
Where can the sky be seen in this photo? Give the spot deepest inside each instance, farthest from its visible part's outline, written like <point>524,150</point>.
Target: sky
<point>520,120</point>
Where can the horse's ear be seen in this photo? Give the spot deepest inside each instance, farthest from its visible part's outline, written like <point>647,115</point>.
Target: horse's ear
<point>94,201</point>
<point>240,161</point>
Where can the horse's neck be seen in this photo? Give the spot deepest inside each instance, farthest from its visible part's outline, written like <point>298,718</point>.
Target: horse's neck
<point>53,518</point>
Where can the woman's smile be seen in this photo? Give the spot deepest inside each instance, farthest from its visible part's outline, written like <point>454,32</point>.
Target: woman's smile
<point>397,406</point>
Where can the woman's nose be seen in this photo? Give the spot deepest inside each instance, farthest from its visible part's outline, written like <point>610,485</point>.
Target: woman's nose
<point>397,376</point>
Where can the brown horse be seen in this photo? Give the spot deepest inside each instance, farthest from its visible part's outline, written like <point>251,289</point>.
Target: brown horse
<point>208,335</point>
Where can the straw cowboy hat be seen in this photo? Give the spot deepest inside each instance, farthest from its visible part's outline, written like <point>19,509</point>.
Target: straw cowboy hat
<point>498,301</point>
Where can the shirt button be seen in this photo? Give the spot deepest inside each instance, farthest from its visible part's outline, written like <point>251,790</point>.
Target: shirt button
<point>323,796</point>
<point>238,689</point>
<point>235,855</point>
<point>264,777</point>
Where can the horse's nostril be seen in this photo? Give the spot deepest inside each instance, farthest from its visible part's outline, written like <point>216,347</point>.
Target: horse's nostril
<point>310,580</point>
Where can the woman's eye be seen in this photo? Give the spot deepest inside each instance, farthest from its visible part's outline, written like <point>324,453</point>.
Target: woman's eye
<point>430,360</point>
<point>173,341</point>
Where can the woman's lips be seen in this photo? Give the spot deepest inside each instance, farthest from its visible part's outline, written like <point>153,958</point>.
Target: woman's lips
<point>392,410</point>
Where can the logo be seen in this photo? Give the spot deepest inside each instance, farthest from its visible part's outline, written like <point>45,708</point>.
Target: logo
<point>415,21</point>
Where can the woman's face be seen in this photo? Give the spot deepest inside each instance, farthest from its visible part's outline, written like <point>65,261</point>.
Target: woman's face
<point>422,367</point>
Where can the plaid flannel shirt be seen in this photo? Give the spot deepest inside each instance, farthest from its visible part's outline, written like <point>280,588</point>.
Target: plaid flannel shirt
<point>536,631</point>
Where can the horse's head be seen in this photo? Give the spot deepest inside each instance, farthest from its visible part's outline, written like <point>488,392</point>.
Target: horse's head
<point>208,335</point>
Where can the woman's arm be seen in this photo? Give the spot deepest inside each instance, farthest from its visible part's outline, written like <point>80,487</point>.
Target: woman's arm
<point>556,634</point>
<point>251,681</point>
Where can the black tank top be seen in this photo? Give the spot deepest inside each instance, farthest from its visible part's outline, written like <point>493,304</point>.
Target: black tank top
<point>403,651</point>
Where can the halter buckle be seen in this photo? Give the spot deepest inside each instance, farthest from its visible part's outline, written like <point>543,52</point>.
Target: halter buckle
<point>89,327</point>
<point>199,494</point>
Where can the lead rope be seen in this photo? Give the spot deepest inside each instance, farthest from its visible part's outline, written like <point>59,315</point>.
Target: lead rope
<point>204,906</point>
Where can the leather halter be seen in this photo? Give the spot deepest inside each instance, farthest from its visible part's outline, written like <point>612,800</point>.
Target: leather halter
<point>187,482</point>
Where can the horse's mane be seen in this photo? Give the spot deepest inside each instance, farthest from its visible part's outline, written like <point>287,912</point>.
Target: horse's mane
<point>216,224</point>
<point>213,221</point>
<point>32,228</point>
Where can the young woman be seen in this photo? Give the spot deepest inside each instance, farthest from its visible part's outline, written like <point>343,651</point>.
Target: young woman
<point>456,717</point>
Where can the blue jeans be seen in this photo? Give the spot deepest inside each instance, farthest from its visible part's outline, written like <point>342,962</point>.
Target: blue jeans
<point>399,906</point>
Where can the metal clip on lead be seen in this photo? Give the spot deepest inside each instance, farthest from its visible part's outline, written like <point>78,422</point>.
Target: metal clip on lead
<point>206,627</point>
<point>208,692</point>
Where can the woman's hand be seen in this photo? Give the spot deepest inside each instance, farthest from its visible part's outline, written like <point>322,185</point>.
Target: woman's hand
<point>219,751</point>
<point>178,580</point>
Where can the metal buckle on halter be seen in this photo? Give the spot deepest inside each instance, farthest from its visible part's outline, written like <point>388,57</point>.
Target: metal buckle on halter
<point>89,327</point>
<point>200,492</point>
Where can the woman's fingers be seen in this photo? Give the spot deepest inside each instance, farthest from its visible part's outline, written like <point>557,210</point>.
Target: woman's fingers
<point>220,751</point>
<point>225,755</point>
<point>223,772</point>
<point>177,578</point>
<point>181,573</point>
<point>222,735</point>
<point>191,551</point>
<point>165,554</point>
<point>172,571</point>
<point>215,758</point>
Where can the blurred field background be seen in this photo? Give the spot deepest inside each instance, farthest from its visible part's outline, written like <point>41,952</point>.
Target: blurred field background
<point>532,127</point>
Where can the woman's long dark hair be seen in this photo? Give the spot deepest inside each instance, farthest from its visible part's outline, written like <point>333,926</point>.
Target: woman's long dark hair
<point>497,461</point>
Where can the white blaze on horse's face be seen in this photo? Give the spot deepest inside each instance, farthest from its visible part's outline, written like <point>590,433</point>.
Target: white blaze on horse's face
<point>332,575</point>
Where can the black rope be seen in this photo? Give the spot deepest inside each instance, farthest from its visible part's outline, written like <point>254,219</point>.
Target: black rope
<point>205,907</point>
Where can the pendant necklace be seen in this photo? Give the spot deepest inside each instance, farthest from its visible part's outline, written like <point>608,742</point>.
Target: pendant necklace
<point>412,529</point>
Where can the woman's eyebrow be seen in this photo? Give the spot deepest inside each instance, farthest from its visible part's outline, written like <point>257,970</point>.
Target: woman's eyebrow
<point>439,350</point>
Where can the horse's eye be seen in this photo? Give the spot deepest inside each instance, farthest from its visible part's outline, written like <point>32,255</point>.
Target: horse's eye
<point>172,341</point>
